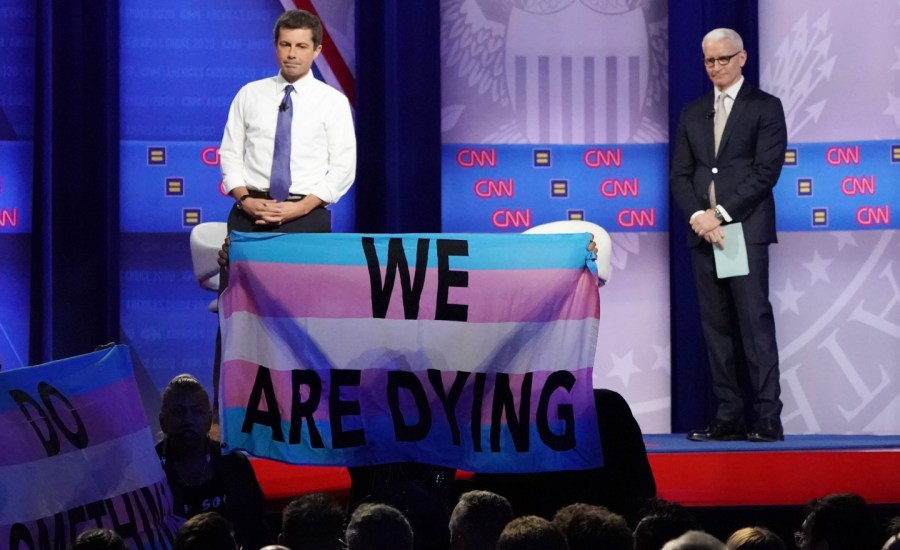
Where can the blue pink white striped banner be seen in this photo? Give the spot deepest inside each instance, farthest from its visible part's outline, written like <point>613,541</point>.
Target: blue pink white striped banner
<point>472,351</point>
<point>78,454</point>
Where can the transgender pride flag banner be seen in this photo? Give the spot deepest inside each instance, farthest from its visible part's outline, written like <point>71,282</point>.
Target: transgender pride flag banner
<point>78,454</point>
<point>469,351</point>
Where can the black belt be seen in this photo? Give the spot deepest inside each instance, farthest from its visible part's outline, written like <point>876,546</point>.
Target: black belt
<point>293,197</point>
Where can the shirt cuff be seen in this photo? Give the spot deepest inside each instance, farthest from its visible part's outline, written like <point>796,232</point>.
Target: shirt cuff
<point>695,214</point>
<point>725,215</point>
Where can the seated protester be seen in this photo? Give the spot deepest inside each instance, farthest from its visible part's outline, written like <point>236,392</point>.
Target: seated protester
<point>623,484</point>
<point>314,521</point>
<point>206,531</point>
<point>378,527</point>
<point>99,539</point>
<point>200,477</point>
<point>531,533</point>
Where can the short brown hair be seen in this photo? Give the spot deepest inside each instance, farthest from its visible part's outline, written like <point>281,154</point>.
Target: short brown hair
<point>300,19</point>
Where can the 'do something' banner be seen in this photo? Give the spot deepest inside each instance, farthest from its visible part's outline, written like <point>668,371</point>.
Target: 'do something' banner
<point>78,454</point>
<point>471,351</point>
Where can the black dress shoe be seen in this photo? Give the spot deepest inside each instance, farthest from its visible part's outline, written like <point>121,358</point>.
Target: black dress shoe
<point>720,430</point>
<point>766,431</point>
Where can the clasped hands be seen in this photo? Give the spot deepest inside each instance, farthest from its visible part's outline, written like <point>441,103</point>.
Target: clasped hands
<point>709,228</point>
<point>271,212</point>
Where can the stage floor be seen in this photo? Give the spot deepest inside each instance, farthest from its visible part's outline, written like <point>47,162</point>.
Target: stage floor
<point>775,474</point>
<point>706,474</point>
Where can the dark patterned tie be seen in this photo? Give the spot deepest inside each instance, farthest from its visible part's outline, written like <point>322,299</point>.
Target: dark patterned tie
<point>280,181</point>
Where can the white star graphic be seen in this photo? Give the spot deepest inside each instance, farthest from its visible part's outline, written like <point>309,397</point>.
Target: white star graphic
<point>844,238</point>
<point>788,298</point>
<point>893,108</point>
<point>623,367</point>
<point>663,357</point>
<point>818,268</point>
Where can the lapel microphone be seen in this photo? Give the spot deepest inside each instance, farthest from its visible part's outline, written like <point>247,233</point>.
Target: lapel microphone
<point>283,107</point>
<point>711,114</point>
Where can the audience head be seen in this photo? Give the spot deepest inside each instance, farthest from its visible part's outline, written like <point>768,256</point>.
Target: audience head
<point>378,527</point>
<point>893,534</point>
<point>185,415</point>
<point>662,522</point>
<point>588,527</point>
<point>204,532</point>
<point>99,539</point>
<point>312,522</point>
<point>478,519</point>
<point>842,521</point>
<point>754,538</point>
<point>694,540</point>
<point>531,533</point>
<point>424,509</point>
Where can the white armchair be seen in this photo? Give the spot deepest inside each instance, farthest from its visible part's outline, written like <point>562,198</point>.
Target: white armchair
<point>206,241</point>
<point>601,238</point>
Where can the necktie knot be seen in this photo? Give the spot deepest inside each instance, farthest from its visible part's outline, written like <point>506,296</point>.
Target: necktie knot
<point>720,119</point>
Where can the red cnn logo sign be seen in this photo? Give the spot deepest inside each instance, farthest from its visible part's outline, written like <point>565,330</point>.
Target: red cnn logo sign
<point>482,158</point>
<point>210,156</point>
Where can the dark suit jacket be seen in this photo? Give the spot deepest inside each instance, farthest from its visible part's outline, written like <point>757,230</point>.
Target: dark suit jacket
<point>749,162</point>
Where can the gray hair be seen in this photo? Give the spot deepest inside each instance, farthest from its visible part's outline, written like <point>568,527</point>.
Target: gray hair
<point>723,34</point>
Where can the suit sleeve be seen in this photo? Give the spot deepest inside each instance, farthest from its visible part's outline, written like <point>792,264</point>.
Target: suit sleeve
<point>771,142</point>
<point>681,173</point>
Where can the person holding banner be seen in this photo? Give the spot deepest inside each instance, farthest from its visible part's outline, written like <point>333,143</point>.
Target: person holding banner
<point>728,154</point>
<point>200,477</point>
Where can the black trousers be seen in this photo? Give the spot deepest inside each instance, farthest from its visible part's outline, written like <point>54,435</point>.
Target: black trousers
<point>739,329</point>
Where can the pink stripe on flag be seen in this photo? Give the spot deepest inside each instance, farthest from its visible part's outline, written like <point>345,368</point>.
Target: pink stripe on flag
<point>94,419</point>
<point>320,291</point>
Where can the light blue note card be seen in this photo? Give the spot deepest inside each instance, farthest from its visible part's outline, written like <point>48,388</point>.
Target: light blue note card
<point>732,260</point>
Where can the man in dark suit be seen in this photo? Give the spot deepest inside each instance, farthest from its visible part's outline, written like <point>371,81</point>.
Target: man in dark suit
<point>727,158</point>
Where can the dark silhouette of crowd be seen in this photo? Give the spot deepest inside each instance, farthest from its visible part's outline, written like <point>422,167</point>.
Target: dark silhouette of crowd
<point>410,506</point>
<point>482,520</point>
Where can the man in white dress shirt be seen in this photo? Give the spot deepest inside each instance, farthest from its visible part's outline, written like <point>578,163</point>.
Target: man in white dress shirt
<point>322,139</point>
<point>322,143</point>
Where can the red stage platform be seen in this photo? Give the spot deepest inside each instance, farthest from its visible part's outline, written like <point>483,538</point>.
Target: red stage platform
<point>700,474</point>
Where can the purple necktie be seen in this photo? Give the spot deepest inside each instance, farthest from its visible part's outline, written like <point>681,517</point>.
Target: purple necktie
<point>280,181</point>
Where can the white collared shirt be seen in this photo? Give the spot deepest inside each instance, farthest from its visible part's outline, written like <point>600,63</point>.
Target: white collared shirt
<point>323,140</point>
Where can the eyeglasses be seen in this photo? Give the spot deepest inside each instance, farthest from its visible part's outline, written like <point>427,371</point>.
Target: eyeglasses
<point>799,539</point>
<point>724,60</point>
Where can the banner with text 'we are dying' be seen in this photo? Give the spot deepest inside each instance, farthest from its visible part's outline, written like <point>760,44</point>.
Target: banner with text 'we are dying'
<point>463,350</point>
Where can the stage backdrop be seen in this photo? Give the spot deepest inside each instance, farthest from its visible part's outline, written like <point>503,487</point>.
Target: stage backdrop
<point>182,63</point>
<point>835,283</point>
<point>17,86</point>
<point>555,111</point>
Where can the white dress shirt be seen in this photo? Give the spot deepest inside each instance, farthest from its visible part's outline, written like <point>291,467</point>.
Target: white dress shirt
<point>323,141</point>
